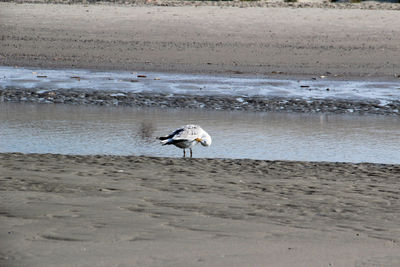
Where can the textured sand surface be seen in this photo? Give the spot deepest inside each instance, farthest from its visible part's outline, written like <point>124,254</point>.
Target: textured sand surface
<point>310,41</point>
<point>124,211</point>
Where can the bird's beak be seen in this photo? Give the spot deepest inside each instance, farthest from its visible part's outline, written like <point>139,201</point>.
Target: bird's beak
<point>198,139</point>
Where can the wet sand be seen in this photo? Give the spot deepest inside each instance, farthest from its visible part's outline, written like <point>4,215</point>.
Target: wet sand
<point>343,43</point>
<point>199,102</point>
<point>141,211</point>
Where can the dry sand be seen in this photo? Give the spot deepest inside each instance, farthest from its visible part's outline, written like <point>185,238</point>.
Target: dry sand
<point>136,211</point>
<point>310,41</point>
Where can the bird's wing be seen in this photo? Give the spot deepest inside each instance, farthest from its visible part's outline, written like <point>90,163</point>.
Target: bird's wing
<point>189,132</point>
<point>173,134</point>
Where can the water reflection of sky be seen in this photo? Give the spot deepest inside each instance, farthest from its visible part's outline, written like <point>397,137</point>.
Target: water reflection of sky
<point>169,83</point>
<point>127,131</point>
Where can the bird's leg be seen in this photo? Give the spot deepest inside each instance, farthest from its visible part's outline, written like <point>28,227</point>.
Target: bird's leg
<point>190,153</point>
<point>184,153</point>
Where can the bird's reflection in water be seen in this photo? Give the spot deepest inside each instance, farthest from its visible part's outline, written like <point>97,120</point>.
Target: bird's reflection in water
<point>145,131</point>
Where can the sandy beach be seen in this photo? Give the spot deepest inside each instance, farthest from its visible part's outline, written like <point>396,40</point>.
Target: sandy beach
<point>343,43</point>
<point>137,211</point>
<point>59,210</point>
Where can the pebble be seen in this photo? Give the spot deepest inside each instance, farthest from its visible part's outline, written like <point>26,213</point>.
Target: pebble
<point>263,104</point>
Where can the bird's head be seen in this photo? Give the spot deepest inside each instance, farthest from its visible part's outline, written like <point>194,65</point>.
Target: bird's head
<point>205,140</point>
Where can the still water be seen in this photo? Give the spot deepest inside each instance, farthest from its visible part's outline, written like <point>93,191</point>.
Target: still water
<point>128,131</point>
<point>198,84</point>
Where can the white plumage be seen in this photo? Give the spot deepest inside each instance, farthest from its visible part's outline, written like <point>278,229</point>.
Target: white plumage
<point>186,137</point>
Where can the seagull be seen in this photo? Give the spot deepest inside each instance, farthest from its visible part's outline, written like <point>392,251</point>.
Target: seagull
<point>186,137</point>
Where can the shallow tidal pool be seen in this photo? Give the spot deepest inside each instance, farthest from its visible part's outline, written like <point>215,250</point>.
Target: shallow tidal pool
<point>68,129</point>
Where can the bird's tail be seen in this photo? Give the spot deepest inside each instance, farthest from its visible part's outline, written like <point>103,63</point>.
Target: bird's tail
<point>164,141</point>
